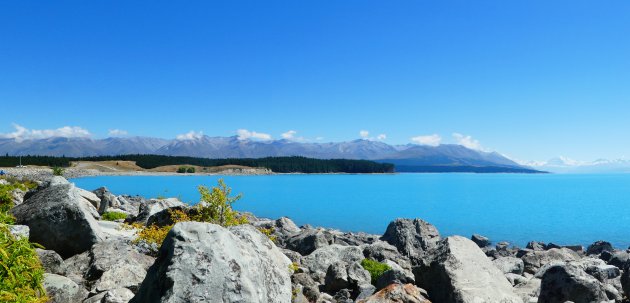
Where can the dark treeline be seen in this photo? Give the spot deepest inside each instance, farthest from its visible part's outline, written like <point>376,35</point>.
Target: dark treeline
<point>275,164</point>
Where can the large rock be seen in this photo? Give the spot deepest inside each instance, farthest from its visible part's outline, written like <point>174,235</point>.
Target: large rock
<point>59,220</point>
<point>62,290</point>
<point>458,271</point>
<point>567,282</point>
<point>398,293</point>
<point>411,237</point>
<point>202,262</point>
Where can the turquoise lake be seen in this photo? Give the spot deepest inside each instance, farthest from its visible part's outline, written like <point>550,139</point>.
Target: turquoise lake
<point>564,209</point>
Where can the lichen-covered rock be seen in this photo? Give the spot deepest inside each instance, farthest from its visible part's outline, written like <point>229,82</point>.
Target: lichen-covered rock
<point>457,271</point>
<point>203,262</point>
<point>59,220</point>
<point>411,237</point>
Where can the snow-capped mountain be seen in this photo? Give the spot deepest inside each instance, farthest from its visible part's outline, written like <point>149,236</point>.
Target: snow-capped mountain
<point>410,156</point>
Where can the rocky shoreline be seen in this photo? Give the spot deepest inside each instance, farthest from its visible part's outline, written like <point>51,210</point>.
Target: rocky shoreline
<point>87,259</point>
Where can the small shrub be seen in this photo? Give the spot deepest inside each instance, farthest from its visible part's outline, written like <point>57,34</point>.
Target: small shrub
<point>375,268</point>
<point>181,170</point>
<point>57,171</point>
<point>190,170</point>
<point>269,233</point>
<point>21,272</point>
<point>293,267</point>
<point>113,216</point>
<point>216,207</point>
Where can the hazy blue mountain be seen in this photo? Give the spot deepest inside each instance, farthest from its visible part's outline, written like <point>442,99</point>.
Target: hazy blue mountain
<point>566,165</point>
<point>410,157</point>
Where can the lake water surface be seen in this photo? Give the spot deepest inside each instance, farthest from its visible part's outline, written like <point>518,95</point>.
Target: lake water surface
<point>564,209</point>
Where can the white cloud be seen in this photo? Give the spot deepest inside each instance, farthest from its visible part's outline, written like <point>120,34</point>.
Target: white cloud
<point>467,141</point>
<point>191,135</point>
<point>431,140</point>
<point>289,135</point>
<point>319,138</point>
<point>22,133</point>
<point>117,132</point>
<point>244,134</point>
<point>365,135</point>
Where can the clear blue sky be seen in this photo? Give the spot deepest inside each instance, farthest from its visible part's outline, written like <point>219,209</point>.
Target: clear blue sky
<point>531,79</point>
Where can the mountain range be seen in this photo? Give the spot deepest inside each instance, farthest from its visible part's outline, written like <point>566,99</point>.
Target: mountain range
<point>410,157</point>
<point>567,165</point>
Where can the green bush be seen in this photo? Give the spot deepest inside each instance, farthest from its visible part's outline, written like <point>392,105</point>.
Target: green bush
<point>181,170</point>
<point>190,170</point>
<point>375,268</point>
<point>21,272</point>
<point>57,171</point>
<point>113,216</point>
<point>216,207</point>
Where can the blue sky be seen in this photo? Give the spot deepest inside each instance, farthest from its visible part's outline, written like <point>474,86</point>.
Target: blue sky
<point>530,79</point>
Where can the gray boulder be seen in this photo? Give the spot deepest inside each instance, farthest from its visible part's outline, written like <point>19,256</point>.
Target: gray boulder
<point>191,267</point>
<point>382,251</point>
<point>393,276</point>
<point>509,265</point>
<point>118,295</point>
<point>310,289</point>
<point>51,261</point>
<point>529,290</point>
<point>309,240</point>
<point>480,240</point>
<point>458,271</point>
<point>534,260</point>
<point>63,290</point>
<point>535,245</point>
<point>153,206</point>
<point>411,237</point>
<point>116,264</point>
<point>59,220</point>
<point>403,293</point>
<point>598,247</point>
<point>568,282</point>
<point>619,258</point>
<point>318,261</point>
